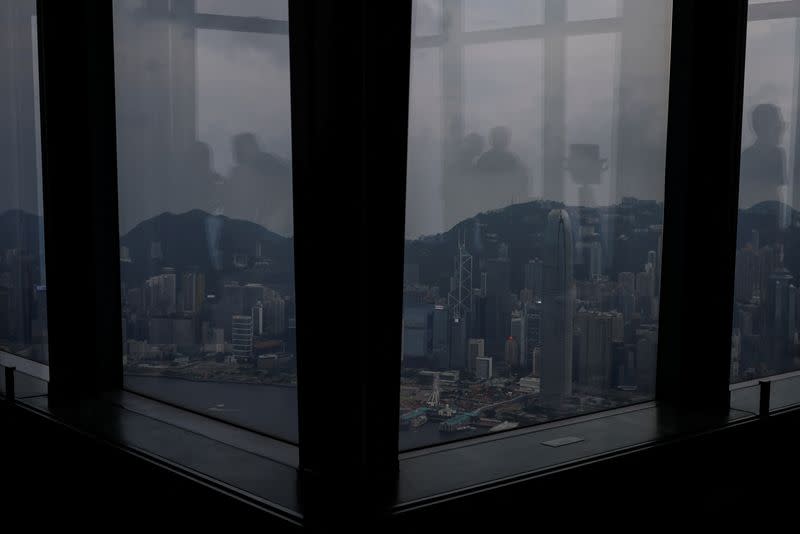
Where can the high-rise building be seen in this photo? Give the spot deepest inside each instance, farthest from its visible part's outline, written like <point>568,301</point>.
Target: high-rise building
<point>780,319</point>
<point>594,333</point>
<point>416,332</point>
<point>183,333</point>
<point>558,308</point>
<point>160,296</point>
<point>160,331</point>
<point>476,350</point>
<point>512,353</point>
<point>458,344</point>
<point>519,333</point>
<point>736,353</point>
<point>242,337</point>
<point>483,368</point>
<point>534,270</point>
<point>258,319</point>
<point>536,361</point>
<point>747,275</point>
<point>659,257</point>
<point>253,294</point>
<point>274,315</point>
<point>646,348</point>
<point>645,284</point>
<point>440,352</point>
<point>595,263</point>
<point>193,291</point>
<point>533,332</point>
<point>498,304</point>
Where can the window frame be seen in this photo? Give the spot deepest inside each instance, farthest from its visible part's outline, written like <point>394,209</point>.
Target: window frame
<point>349,91</point>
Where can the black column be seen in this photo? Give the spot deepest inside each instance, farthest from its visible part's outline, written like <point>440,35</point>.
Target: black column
<point>80,196</point>
<point>350,77</point>
<point>701,199</point>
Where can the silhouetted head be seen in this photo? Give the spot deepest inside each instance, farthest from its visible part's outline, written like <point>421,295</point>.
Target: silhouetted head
<point>245,148</point>
<point>768,123</point>
<point>472,146</point>
<point>500,137</point>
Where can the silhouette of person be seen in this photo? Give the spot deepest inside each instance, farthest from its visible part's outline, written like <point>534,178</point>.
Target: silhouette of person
<point>763,165</point>
<point>459,198</point>
<point>509,178</point>
<point>260,186</point>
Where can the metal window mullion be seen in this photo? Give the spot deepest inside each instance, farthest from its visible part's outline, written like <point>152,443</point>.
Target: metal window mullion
<point>554,127</point>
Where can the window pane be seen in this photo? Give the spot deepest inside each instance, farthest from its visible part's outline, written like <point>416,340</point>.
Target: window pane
<point>533,235</point>
<point>269,9</point>
<point>427,17</point>
<point>592,9</point>
<point>484,14</point>
<point>205,189</point>
<point>765,321</point>
<point>23,296</point>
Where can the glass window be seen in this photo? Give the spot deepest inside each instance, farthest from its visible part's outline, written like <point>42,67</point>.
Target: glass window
<point>765,320</point>
<point>427,17</point>
<point>484,15</point>
<point>534,223</point>
<point>23,295</point>
<point>205,201</point>
<point>269,9</point>
<point>592,9</point>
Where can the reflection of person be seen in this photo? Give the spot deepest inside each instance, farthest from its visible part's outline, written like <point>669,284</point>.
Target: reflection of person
<point>763,166</point>
<point>260,186</point>
<point>509,178</point>
<point>460,200</point>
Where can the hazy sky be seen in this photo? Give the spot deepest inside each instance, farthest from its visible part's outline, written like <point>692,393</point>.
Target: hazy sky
<point>504,85</point>
<point>242,85</point>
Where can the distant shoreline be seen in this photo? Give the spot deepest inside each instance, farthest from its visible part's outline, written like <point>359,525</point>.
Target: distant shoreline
<point>185,379</point>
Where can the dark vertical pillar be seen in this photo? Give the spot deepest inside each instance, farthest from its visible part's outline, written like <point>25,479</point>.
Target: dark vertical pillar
<point>80,196</point>
<point>703,153</point>
<point>350,81</point>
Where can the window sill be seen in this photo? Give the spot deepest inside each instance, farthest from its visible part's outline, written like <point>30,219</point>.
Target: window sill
<point>244,465</point>
<point>469,467</point>
<point>264,471</point>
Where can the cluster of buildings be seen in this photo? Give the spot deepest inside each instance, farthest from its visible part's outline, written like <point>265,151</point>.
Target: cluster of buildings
<point>766,321</point>
<point>177,315</point>
<point>23,305</point>
<point>573,327</point>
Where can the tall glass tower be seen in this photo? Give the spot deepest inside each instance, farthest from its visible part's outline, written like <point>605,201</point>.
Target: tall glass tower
<point>558,302</point>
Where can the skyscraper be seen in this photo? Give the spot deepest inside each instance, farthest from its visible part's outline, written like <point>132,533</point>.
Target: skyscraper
<point>193,291</point>
<point>439,339</point>
<point>558,303</point>
<point>483,368</point>
<point>518,332</point>
<point>595,334</point>
<point>533,276</point>
<point>780,319</point>
<point>242,336</point>
<point>498,304</point>
<point>533,332</point>
<point>476,350</point>
<point>512,352</point>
